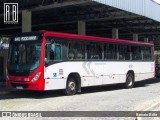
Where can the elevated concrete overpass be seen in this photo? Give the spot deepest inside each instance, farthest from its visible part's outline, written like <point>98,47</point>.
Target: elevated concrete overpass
<point>130,19</point>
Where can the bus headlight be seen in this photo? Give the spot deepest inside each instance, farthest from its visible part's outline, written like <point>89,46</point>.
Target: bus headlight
<point>36,77</point>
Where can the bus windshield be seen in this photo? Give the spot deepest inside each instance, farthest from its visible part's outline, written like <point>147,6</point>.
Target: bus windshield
<point>24,56</point>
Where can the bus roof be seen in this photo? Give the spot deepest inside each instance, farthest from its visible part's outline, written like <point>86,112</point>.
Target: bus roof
<point>86,37</point>
<point>93,38</point>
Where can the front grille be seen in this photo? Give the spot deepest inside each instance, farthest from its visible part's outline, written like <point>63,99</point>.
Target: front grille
<point>24,73</point>
<point>18,84</point>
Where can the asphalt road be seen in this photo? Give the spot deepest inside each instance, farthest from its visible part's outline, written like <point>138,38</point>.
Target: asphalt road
<point>105,98</point>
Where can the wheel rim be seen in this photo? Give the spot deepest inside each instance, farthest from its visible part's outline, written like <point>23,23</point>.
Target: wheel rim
<point>71,86</point>
<point>129,81</point>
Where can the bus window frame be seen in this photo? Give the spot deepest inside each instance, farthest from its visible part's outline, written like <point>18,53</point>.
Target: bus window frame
<point>151,53</point>
<point>102,50</point>
<point>84,51</point>
<point>116,52</point>
<point>85,42</point>
<point>50,42</point>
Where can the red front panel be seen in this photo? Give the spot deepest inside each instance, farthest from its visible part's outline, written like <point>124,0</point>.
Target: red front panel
<point>25,82</point>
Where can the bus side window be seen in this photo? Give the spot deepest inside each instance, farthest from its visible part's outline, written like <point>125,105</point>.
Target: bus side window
<point>49,52</point>
<point>71,50</point>
<point>57,52</point>
<point>136,53</point>
<point>76,50</point>
<point>147,53</point>
<point>110,51</point>
<point>124,52</point>
<point>94,51</point>
<point>52,57</point>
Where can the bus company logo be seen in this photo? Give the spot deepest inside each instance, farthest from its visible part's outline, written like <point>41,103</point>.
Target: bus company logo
<point>6,114</point>
<point>10,13</point>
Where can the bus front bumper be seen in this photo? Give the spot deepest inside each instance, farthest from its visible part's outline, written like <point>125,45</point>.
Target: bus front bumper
<point>25,85</point>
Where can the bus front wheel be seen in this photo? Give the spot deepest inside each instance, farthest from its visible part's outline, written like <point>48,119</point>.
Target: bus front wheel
<point>71,86</point>
<point>129,81</point>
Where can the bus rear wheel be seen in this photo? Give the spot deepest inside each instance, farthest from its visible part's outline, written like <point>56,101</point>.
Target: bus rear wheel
<point>129,81</point>
<point>71,86</point>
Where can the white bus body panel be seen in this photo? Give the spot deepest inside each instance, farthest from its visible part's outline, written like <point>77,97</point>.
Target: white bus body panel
<point>96,73</point>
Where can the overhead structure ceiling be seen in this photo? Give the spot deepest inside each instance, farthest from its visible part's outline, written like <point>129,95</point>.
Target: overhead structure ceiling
<point>63,16</point>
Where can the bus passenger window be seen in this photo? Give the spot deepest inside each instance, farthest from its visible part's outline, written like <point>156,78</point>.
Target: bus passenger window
<point>124,52</point>
<point>71,50</point>
<point>147,53</point>
<point>57,52</point>
<point>76,50</point>
<point>94,51</point>
<point>53,52</point>
<point>110,51</point>
<point>136,53</point>
<point>49,52</point>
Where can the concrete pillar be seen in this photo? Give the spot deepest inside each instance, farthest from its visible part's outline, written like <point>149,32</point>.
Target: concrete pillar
<point>146,40</point>
<point>135,37</point>
<point>115,33</point>
<point>81,27</point>
<point>26,21</point>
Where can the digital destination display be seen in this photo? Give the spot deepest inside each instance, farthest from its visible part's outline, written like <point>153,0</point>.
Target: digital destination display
<point>25,38</point>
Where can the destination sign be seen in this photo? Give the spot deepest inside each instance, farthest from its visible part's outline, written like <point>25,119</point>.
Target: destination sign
<point>25,38</point>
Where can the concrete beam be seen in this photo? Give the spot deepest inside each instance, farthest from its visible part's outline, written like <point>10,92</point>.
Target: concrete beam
<point>54,5</point>
<point>57,5</point>
<point>26,21</point>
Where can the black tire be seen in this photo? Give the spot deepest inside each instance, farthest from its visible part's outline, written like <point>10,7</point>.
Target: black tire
<point>71,86</point>
<point>129,81</point>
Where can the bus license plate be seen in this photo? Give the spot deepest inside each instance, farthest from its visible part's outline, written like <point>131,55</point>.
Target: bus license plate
<point>19,87</point>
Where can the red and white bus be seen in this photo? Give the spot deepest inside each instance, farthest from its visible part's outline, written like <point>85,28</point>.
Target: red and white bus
<point>51,60</point>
